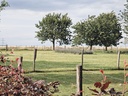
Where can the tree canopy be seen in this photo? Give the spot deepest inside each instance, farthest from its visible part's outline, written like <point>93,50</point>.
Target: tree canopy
<point>86,32</point>
<point>101,30</point>
<point>55,27</point>
<point>124,18</point>
<point>109,28</point>
<point>3,5</point>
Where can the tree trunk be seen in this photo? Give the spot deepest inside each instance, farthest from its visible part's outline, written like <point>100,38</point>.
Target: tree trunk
<point>53,48</point>
<point>106,48</point>
<point>90,47</point>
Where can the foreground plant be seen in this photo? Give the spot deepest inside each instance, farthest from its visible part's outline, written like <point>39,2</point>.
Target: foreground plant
<point>125,90</point>
<point>103,87</point>
<point>14,83</point>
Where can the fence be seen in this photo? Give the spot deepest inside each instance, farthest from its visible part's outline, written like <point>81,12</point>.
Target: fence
<point>4,47</point>
<point>80,91</point>
<point>85,77</point>
<point>102,84</point>
<point>7,47</point>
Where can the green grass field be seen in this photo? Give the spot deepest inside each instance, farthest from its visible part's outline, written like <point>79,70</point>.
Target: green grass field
<point>53,66</point>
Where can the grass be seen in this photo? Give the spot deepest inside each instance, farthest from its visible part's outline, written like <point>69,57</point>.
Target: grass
<point>53,66</point>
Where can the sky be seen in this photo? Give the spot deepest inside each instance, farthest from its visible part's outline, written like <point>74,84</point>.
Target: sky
<point>17,22</point>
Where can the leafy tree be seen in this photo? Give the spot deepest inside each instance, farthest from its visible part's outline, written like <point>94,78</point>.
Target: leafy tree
<point>3,5</point>
<point>124,17</point>
<point>109,29</point>
<point>78,37</point>
<point>54,27</point>
<point>86,32</point>
<point>101,30</point>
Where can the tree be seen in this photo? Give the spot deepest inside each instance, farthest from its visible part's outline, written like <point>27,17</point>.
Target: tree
<point>86,32</point>
<point>3,5</point>
<point>101,30</point>
<point>55,27</point>
<point>124,17</point>
<point>78,37</point>
<point>109,28</point>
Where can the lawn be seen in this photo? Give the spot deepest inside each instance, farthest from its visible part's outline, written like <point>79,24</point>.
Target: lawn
<point>53,66</point>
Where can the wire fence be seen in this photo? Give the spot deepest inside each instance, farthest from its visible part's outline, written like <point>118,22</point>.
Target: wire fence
<point>90,77</point>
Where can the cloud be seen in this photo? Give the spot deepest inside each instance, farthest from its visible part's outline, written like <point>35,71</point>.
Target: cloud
<point>76,8</point>
<point>54,5</point>
<point>18,21</point>
<point>37,5</point>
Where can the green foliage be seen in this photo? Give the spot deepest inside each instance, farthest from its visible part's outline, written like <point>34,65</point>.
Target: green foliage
<point>101,30</point>
<point>109,29</point>
<point>3,5</point>
<point>86,32</point>
<point>124,17</point>
<point>55,27</point>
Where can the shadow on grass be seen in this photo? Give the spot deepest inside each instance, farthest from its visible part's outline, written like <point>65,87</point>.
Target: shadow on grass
<point>101,66</point>
<point>69,77</point>
<point>105,69</point>
<point>65,72</point>
<point>38,71</point>
<point>48,66</point>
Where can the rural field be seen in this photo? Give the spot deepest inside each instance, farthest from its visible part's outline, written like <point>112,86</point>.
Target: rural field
<point>54,66</point>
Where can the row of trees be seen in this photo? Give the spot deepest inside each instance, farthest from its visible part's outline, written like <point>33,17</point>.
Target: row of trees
<point>103,30</point>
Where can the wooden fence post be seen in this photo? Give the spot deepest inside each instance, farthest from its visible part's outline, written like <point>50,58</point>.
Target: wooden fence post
<point>35,55</point>
<point>79,79</point>
<point>6,47</point>
<point>20,64</point>
<point>82,58</point>
<point>118,60</point>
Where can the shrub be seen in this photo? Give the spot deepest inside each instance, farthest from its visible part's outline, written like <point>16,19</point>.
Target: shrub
<point>14,83</point>
<point>104,84</point>
<point>124,52</point>
<point>73,50</point>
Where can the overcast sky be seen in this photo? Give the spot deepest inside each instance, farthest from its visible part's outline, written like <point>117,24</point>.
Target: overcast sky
<point>17,25</point>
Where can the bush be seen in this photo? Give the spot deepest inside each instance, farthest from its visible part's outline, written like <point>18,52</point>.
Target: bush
<point>124,52</point>
<point>73,50</point>
<point>14,83</point>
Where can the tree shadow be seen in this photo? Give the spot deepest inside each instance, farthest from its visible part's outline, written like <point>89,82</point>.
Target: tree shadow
<point>48,66</point>
<point>65,73</point>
